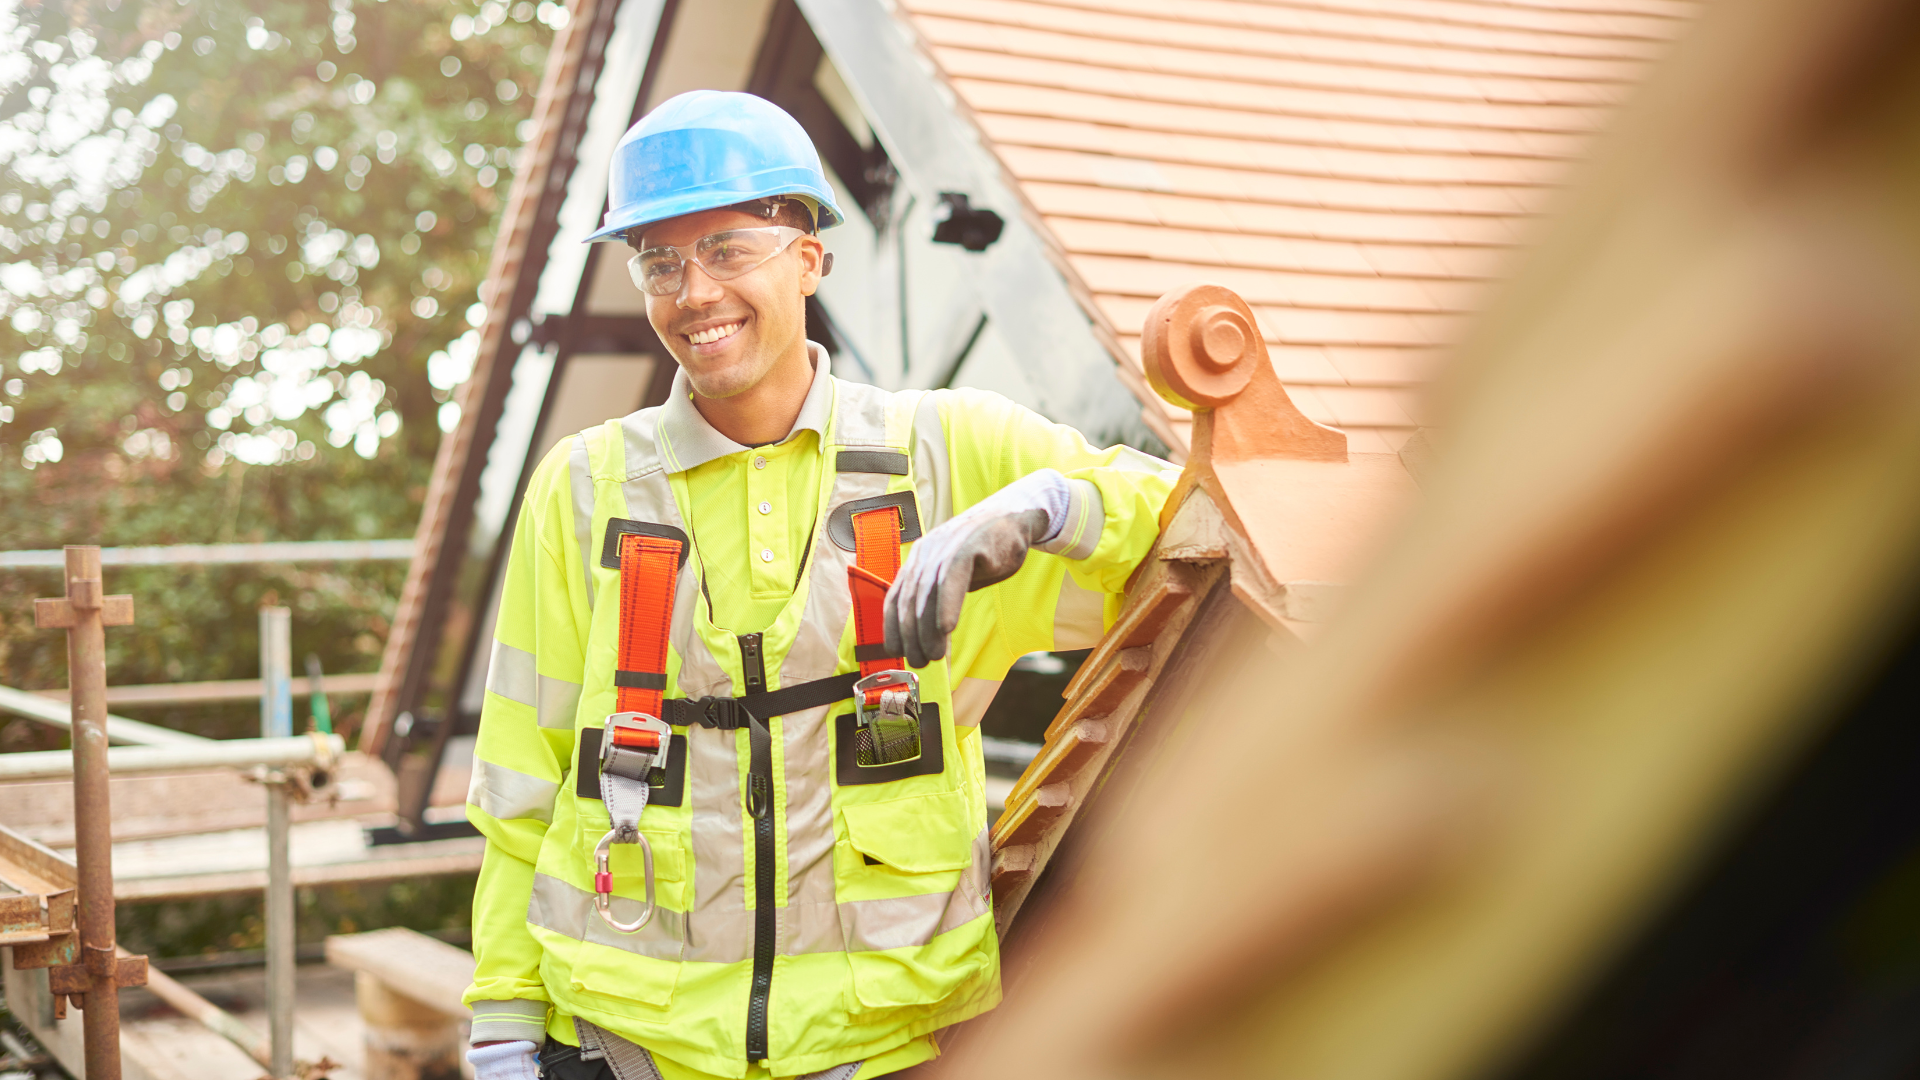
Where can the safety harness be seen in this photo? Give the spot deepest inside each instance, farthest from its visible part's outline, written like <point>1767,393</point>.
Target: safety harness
<point>638,737</point>
<point>636,741</point>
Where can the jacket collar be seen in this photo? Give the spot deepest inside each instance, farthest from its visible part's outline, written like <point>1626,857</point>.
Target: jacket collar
<point>687,441</point>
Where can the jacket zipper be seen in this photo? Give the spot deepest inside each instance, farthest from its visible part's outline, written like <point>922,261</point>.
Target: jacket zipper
<point>760,807</point>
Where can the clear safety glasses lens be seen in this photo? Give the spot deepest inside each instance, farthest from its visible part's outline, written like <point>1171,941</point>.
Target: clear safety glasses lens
<point>659,271</point>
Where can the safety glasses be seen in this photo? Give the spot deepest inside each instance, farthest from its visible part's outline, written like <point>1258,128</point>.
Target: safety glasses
<point>660,271</point>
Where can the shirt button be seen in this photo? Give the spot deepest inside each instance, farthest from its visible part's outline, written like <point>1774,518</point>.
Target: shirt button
<point>760,461</point>
<point>766,508</point>
<point>766,554</point>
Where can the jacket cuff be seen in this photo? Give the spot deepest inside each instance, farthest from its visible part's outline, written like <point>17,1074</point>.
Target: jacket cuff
<point>509,1021</point>
<point>1085,519</point>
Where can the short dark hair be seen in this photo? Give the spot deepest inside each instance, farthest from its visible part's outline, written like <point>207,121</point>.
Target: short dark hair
<point>778,210</point>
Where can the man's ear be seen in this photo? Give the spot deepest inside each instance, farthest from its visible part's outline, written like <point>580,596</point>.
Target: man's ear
<point>816,262</point>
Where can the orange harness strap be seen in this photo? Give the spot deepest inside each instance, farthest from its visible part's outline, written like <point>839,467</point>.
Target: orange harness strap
<point>649,573</point>
<point>876,553</point>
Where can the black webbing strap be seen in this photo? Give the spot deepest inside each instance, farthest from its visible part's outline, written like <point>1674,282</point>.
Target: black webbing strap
<point>728,713</point>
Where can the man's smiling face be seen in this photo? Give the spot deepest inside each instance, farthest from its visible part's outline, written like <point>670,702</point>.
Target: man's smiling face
<point>728,335</point>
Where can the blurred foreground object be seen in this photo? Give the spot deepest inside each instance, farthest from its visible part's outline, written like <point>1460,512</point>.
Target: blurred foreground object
<point>1669,524</point>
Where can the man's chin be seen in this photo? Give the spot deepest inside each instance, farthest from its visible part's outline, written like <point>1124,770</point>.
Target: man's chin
<point>723,380</point>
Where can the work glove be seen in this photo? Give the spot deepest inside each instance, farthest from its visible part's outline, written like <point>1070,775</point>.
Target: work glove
<point>504,1061</point>
<point>984,544</point>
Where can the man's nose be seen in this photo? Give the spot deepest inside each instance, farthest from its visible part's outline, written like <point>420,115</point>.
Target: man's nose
<point>697,289</point>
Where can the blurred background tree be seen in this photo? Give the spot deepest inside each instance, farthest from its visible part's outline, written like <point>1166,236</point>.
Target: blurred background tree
<point>242,246</point>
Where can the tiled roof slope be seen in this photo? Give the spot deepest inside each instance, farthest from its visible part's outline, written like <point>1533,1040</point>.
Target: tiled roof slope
<point>1356,169</point>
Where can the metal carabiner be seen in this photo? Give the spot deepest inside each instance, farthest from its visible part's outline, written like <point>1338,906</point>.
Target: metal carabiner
<point>603,882</point>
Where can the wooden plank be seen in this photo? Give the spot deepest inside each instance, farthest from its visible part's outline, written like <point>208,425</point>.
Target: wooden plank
<point>1063,757</point>
<point>1116,679</point>
<point>31,866</point>
<point>409,963</point>
<point>1026,823</point>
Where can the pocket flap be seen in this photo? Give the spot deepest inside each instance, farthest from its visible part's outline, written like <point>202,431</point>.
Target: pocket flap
<point>669,859</point>
<point>616,973</point>
<point>919,834</point>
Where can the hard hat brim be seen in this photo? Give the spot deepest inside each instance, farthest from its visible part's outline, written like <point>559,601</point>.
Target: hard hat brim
<point>714,198</point>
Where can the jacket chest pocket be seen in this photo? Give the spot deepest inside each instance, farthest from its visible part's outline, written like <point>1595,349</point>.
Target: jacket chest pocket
<point>918,834</point>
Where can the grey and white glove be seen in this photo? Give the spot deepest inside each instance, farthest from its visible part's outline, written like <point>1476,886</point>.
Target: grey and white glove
<point>505,1061</point>
<point>982,545</point>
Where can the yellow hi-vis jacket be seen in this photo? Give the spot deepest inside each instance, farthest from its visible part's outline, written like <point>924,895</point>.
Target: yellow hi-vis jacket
<point>883,931</point>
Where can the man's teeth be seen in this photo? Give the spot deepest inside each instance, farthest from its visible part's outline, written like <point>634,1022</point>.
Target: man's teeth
<point>709,336</point>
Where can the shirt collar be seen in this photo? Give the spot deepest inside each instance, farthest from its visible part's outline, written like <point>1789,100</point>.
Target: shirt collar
<point>687,441</point>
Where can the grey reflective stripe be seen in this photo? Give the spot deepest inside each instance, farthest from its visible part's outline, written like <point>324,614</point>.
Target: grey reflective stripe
<point>726,937</point>
<point>932,467</point>
<point>1079,616</point>
<point>559,700</point>
<point>512,673</point>
<point>580,483</point>
<point>508,1021</point>
<point>1130,460</point>
<point>1086,519</point>
<point>971,697</point>
<point>507,794</point>
<point>565,910</point>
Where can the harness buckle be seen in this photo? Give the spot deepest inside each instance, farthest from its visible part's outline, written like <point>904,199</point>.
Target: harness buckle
<point>634,744</point>
<point>631,747</point>
<point>887,714</point>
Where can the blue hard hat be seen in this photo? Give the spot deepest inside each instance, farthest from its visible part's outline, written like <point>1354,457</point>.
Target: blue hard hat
<point>706,149</point>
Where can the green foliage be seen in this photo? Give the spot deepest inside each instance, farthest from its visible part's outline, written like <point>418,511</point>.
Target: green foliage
<point>239,242</point>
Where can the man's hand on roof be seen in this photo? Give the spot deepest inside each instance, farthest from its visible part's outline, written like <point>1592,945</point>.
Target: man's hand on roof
<point>985,544</point>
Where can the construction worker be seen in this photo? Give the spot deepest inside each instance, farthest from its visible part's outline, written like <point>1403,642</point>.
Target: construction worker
<point>729,766</point>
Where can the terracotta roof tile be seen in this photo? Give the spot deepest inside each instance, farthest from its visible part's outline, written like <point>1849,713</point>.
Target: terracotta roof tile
<point>1295,42</point>
<point>1093,236</point>
<point>1017,99</point>
<point>1274,71</point>
<point>1256,185</point>
<point>1362,366</point>
<point>1603,30</point>
<point>1268,155</point>
<point>1339,101</point>
<point>1358,170</point>
<point>1149,278</point>
<point>1225,215</point>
